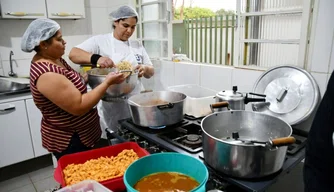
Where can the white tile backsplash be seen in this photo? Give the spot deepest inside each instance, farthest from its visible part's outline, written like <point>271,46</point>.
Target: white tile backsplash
<point>245,79</point>
<point>97,3</point>
<point>20,67</point>
<point>216,77</point>
<point>187,73</point>
<point>167,73</point>
<point>98,19</point>
<point>72,41</point>
<point>321,79</point>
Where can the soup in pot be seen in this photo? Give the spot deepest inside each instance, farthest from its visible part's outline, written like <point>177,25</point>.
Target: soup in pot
<point>166,182</point>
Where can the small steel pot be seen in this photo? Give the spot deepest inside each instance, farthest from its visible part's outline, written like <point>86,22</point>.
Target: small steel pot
<point>157,109</point>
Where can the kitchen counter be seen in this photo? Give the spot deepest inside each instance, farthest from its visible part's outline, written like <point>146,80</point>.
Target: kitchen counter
<point>15,97</point>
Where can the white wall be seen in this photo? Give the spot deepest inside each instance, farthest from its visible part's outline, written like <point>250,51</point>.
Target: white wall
<point>74,32</point>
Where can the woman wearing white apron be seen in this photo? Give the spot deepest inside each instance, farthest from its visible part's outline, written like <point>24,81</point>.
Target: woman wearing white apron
<point>108,50</point>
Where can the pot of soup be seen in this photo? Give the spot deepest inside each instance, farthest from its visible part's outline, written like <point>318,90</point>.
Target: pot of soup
<point>166,172</point>
<point>157,109</point>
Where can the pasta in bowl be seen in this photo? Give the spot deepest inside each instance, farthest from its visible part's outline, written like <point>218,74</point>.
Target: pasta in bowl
<point>97,75</point>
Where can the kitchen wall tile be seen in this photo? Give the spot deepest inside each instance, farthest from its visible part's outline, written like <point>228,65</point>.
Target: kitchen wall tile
<point>321,50</point>
<point>20,67</point>
<point>27,188</point>
<point>98,21</point>
<point>112,3</point>
<point>331,62</point>
<point>187,73</point>
<point>167,73</point>
<point>245,79</point>
<point>45,184</point>
<point>73,40</point>
<point>74,27</point>
<point>97,3</point>
<point>216,77</point>
<point>15,183</point>
<point>41,174</point>
<point>321,79</point>
<point>11,32</point>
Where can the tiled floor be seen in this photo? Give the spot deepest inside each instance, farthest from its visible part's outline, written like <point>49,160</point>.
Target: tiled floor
<point>36,181</point>
<point>34,175</point>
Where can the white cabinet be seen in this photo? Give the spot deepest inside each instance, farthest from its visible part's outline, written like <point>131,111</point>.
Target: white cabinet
<point>35,117</point>
<point>65,9</point>
<point>23,9</point>
<point>33,9</point>
<point>15,139</point>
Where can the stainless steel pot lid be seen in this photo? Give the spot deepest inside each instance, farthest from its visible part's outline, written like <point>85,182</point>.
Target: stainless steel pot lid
<point>292,92</point>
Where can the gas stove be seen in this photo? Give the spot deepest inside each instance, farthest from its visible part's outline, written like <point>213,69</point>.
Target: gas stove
<point>186,137</point>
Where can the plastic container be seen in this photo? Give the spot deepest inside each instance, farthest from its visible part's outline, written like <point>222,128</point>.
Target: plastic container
<point>198,99</point>
<point>85,186</point>
<point>166,162</point>
<point>115,184</point>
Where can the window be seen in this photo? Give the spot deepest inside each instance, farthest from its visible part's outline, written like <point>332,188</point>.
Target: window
<point>272,32</point>
<point>154,27</point>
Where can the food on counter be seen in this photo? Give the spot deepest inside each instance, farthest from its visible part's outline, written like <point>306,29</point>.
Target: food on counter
<point>124,65</point>
<point>166,181</point>
<point>100,169</point>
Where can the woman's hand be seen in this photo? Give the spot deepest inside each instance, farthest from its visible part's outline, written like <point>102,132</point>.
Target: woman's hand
<point>106,62</point>
<point>115,78</point>
<point>141,70</point>
<point>145,70</point>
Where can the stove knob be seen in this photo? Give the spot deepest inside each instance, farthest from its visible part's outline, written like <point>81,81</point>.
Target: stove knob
<point>135,138</point>
<point>143,144</point>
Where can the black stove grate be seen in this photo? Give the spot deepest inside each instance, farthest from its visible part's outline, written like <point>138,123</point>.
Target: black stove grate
<point>188,137</point>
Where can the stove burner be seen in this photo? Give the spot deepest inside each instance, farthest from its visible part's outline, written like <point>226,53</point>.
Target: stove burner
<point>158,127</point>
<point>193,139</point>
<point>187,137</point>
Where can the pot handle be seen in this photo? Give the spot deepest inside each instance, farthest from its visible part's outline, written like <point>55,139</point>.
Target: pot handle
<point>219,105</point>
<point>166,106</point>
<point>282,141</point>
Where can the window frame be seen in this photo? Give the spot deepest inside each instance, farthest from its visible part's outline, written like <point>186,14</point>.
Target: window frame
<point>303,41</point>
<point>169,39</point>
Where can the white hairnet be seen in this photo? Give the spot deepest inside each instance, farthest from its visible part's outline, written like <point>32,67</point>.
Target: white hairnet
<point>38,30</point>
<point>123,12</point>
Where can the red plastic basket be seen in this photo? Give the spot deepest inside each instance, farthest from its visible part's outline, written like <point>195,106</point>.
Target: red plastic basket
<point>115,184</point>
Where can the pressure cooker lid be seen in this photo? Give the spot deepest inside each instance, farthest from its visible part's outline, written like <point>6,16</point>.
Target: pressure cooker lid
<point>233,94</point>
<point>292,92</point>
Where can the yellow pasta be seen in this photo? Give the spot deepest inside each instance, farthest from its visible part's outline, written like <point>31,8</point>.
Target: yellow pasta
<point>124,65</point>
<point>100,169</point>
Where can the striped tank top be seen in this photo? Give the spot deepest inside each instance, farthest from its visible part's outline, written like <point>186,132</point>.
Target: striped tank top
<point>58,126</point>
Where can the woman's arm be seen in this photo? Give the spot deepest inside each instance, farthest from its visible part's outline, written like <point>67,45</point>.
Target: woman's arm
<point>58,89</point>
<point>80,56</point>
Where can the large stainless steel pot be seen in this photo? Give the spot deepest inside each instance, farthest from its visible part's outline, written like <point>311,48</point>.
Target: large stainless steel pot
<point>157,109</point>
<point>234,156</point>
<point>97,75</point>
<point>237,100</point>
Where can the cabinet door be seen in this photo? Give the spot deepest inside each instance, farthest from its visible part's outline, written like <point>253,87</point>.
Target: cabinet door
<point>35,117</point>
<point>64,9</point>
<point>23,9</point>
<point>15,139</point>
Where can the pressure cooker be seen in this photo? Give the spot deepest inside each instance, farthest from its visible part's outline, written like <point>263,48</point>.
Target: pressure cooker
<point>237,100</point>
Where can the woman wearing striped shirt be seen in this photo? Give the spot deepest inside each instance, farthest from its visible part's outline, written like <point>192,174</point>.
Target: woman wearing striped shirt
<point>70,121</point>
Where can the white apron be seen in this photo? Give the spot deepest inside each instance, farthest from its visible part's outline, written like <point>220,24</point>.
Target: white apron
<point>112,111</point>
